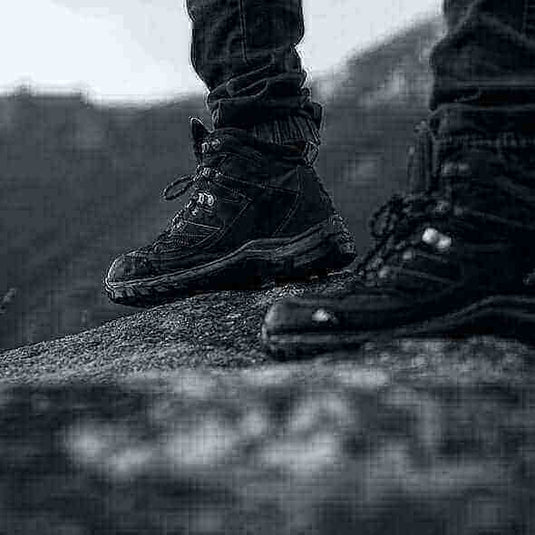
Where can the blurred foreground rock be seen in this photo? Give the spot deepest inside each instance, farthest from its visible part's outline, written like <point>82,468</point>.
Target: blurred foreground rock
<point>175,421</point>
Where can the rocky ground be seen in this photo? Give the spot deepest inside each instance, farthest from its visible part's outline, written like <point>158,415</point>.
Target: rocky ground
<point>175,420</point>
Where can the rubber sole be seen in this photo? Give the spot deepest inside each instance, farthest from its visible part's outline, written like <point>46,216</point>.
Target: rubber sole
<point>325,247</point>
<point>508,316</point>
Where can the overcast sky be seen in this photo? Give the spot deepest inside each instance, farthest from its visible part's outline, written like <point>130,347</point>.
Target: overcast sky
<point>139,49</point>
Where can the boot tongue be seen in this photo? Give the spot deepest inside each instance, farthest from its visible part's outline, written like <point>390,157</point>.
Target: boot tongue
<point>422,161</point>
<point>199,132</point>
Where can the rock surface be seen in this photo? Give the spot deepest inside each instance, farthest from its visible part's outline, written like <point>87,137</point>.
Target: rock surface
<point>174,420</point>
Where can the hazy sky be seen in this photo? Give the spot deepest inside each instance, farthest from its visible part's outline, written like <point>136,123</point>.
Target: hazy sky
<point>139,49</point>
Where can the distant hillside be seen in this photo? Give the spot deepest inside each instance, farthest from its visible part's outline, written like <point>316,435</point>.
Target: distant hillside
<point>369,122</point>
<point>80,183</point>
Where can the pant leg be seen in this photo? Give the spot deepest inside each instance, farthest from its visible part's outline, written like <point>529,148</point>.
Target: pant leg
<point>483,97</point>
<point>488,54</point>
<point>244,50</point>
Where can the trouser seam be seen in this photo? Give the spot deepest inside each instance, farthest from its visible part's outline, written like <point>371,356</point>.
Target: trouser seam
<point>506,139</point>
<point>528,24</point>
<point>243,26</point>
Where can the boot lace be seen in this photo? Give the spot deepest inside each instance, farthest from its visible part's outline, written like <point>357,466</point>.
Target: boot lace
<point>178,188</point>
<point>393,227</point>
<point>484,207</point>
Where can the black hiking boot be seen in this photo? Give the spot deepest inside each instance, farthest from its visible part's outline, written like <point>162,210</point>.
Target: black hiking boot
<point>452,259</point>
<point>257,213</point>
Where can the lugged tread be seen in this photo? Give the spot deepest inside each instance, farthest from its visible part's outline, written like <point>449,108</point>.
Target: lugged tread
<point>324,248</point>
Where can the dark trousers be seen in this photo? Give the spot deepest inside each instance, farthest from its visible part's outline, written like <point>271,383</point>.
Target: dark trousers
<point>488,54</point>
<point>244,50</point>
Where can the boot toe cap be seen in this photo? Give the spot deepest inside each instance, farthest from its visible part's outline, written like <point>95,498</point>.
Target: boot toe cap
<point>129,267</point>
<point>296,315</point>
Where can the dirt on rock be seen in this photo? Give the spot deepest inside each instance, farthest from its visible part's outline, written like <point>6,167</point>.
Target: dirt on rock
<point>175,420</point>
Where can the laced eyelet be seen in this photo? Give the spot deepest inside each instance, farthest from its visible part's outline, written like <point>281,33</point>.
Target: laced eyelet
<point>205,198</point>
<point>455,168</point>
<point>444,243</point>
<point>384,272</point>
<point>376,263</point>
<point>431,236</point>
<point>401,246</point>
<point>323,316</point>
<point>463,168</point>
<point>529,279</point>
<point>442,207</point>
<point>436,239</point>
<point>448,169</point>
<point>408,255</point>
<point>213,145</point>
